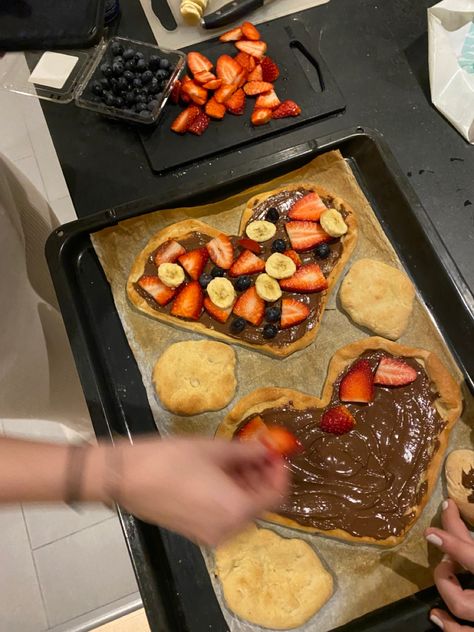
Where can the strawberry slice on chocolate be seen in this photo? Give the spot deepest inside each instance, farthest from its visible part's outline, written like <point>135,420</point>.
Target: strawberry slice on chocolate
<point>305,235</point>
<point>281,441</point>
<point>308,278</point>
<point>394,372</point>
<point>250,244</point>
<point>158,291</point>
<point>308,208</point>
<point>250,306</point>
<point>194,262</point>
<point>221,251</point>
<point>246,263</point>
<point>188,303</point>
<point>252,429</point>
<point>217,313</point>
<point>337,420</point>
<point>293,312</point>
<point>358,384</point>
<point>294,256</point>
<point>168,252</point>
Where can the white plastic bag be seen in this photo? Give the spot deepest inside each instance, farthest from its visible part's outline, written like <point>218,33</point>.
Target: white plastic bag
<point>451,62</point>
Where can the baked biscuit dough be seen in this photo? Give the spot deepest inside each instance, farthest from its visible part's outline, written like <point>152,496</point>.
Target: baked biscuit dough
<point>275,582</point>
<point>195,376</point>
<point>457,463</point>
<point>378,296</point>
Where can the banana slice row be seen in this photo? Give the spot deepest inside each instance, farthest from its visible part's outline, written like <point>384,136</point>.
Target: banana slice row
<point>221,292</point>
<point>333,223</point>
<point>260,230</point>
<point>171,274</point>
<point>267,288</point>
<point>192,10</point>
<point>280,266</point>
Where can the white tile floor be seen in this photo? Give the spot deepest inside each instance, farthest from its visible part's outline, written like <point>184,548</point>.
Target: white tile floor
<point>59,570</point>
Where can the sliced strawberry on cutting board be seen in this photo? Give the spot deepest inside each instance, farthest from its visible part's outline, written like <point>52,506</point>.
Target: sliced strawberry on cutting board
<point>394,372</point>
<point>306,235</point>
<point>236,103</point>
<point>197,62</point>
<point>215,110</point>
<point>194,262</point>
<point>241,78</point>
<point>250,244</point>
<point>223,94</point>
<point>168,252</point>
<point>247,263</point>
<point>286,109</point>
<point>261,116</point>
<point>250,32</point>
<point>221,251</point>
<point>256,74</point>
<point>185,119</point>
<point>160,292</point>
<point>252,88</point>
<point>219,314</point>
<point>232,36</point>
<point>270,71</point>
<point>268,100</point>
<point>195,92</point>
<point>357,385</point>
<point>294,256</point>
<point>246,61</point>
<point>228,69</point>
<point>337,420</point>
<point>252,429</point>
<point>293,312</point>
<point>213,85</point>
<point>204,77</point>
<point>200,124</point>
<point>250,306</point>
<point>308,208</point>
<point>308,278</point>
<point>188,303</point>
<point>281,440</point>
<point>256,49</point>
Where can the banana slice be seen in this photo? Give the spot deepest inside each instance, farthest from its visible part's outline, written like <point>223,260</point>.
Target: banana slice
<point>221,292</point>
<point>171,274</point>
<point>260,230</point>
<point>191,12</point>
<point>333,223</point>
<point>280,266</point>
<point>267,288</point>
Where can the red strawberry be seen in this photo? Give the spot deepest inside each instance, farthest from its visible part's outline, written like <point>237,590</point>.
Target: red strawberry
<point>184,98</point>
<point>198,62</point>
<point>294,256</point>
<point>160,292</point>
<point>293,312</point>
<point>270,70</point>
<point>337,420</point>
<point>357,385</point>
<point>287,108</point>
<point>241,78</point>
<point>231,36</point>
<point>175,92</point>
<point>281,440</point>
<point>256,49</point>
<point>251,245</point>
<point>305,235</point>
<point>200,124</point>
<point>194,262</point>
<point>228,69</point>
<point>250,32</point>
<point>221,252</point>
<point>183,121</point>
<point>204,76</point>
<point>168,252</point>
<point>196,93</point>
<point>256,74</point>
<point>213,85</point>
<point>236,103</point>
<point>253,88</point>
<point>250,306</point>
<point>219,314</point>
<point>394,372</point>
<point>188,303</point>
<point>252,429</point>
<point>268,100</point>
<point>308,208</point>
<point>261,116</point>
<point>246,263</point>
<point>246,61</point>
<point>224,93</point>
<point>308,278</point>
<point>214,109</point>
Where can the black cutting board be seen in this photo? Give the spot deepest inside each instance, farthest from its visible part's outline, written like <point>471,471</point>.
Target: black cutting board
<point>304,77</point>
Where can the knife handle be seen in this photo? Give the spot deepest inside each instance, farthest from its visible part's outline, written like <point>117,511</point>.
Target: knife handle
<point>230,12</point>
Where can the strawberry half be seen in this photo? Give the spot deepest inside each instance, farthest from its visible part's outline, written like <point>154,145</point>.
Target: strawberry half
<point>287,108</point>
<point>221,252</point>
<point>250,32</point>
<point>268,100</point>
<point>293,312</point>
<point>281,441</point>
<point>306,235</point>
<point>246,61</point>
<point>204,76</point>
<point>246,263</point>
<point>236,103</point>
<point>261,116</point>
<point>358,383</point>
<point>158,291</point>
<point>196,93</point>
<point>250,244</point>
<point>217,313</point>
<point>294,256</point>
<point>256,49</point>
<point>250,306</point>
<point>394,372</point>
<point>200,124</point>
<point>270,71</point>
<point>213,85</point>
<point>168,252</point>
<point>194,262</point>
<point>214,109</point>
<point>309,208</point>
<point>256,74</point>
<point>228,69</point>
<point>252,429</point>
<point>308,278</point>
<point>231,36</point>
<point>252,88</point>
<point>224,93</point>
<point>337,420</point>
<point>188,303</point>
<point>185,119</point>
<point>197,62</point>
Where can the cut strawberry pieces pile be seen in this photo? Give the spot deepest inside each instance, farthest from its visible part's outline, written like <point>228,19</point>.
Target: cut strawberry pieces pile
<point>214,90</point>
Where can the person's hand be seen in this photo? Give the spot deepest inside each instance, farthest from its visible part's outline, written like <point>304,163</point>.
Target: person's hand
<point>458,546</point>
<point>205,489</point>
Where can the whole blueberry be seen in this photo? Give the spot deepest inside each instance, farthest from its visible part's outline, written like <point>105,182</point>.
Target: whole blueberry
<point>243,283</point>
<point>140,106</point>
<point>152,105</point>
<point>205,279</point>
<point>161,74</point>
<point>130,98</point>
<point>116,48</point>
<point>139,55</point>
<point>154,62</point>
<point>119,102</point>
<point>141,98</point>
<point>322,251</point>
<point>279,245</point>
<point>105,83</point>
<point>137,83</point>
<point>130,64</point>
<point>237,325</point>
<point>147,76</point>
<point>118,60</point>
<point>128,75</point>
<point>97,88</point>
<point>118,69</point>
<point>217,272</point>
<point>154,86</point>
<point>273,314</point>
<point>141,65</point>
<point>106,70</point>
<point>270,331</point>
<point>164,64</point>
<point>272,215</point>
<point>129,53</point>
<point>109,100</point>
<point>145,114</point>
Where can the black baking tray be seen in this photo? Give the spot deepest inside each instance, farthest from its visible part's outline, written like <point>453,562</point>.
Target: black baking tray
<point>172,577</point>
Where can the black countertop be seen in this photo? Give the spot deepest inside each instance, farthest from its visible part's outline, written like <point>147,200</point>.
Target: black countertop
<point>377,52</point>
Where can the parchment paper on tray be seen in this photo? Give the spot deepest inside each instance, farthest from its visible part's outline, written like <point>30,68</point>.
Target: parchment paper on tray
<point>366,577</point>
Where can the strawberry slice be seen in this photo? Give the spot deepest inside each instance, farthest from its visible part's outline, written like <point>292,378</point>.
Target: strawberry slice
<point>185,119</point>
<point>308,208</point>
<point>308,278</point>
<point>158,291</point>
<point>175,92</point>
<point>219,314</point>
<point>267,100</point>
<point>188,303</point>
<point>241,78</point>
<point>252,429</point>
<point>261,116</point>
<point>196,93</point>
<point>394,372</point>
<point>204,76</point>
<point>270,71</point>
<point>228,69</point>
<point>221,252</point>
<point>213,85</point>
<point>337,420</point>
<point>224,93</point>
<point>168,252</point>
<point>197,62</point>
<point>293,312</point>
<point>250,306</point>
<point>294,256</point>
<point>256,49</point>
<point>252,88</point>
<point>251,245</point>
<point>231,36</point>
<point>287,108</point>
<point>200,124</point>
<point>357,385</point>
<point>246,263</point>
<point>281,440</point>
<point>236,103</point>
<point>250,32</point>
<point>214,109</point>
<point>194,262</point>
<point>305,235</point>
<point>256,74</point>
<point>246,61</point>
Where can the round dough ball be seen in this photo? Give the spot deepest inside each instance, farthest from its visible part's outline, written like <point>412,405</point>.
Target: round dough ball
<point>194,377</point>
<point>459,469</point>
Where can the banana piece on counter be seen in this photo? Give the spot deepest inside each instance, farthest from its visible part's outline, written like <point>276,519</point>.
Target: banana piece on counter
<point>171,274</point>
<point>260,230</point>
<point>333,223</point>
<point>280,266</point>
<point>221,292</point>
<point>267,288</point>
<point>192,10</point>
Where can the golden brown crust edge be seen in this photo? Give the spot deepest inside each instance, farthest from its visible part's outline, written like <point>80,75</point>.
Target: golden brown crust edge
<point>449,404</point>
<point>181,230</point>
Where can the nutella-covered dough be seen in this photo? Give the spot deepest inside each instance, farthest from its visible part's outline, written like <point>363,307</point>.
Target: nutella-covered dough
<point>459,469</point>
